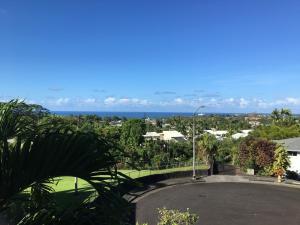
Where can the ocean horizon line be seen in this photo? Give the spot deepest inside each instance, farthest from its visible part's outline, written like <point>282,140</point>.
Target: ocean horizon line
<point>129,114</point>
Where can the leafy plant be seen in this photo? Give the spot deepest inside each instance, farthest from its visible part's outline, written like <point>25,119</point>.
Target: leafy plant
<point>176,217</point>
<point>281,162</point>
<point>32,154</point>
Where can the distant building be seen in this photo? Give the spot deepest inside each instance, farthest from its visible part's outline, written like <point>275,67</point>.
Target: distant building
<point>253,120</point>
<point>254,123</point>
<point>117,123</point>
<point>219,134</point>
<point>172,135</point>
<point>150,121</point>
<point>293,147</point>
<point>242,134</point>
<point>152,136</point>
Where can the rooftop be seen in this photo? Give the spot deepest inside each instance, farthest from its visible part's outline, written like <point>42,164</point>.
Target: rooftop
<point>173,134</point>
<point>292,144</point>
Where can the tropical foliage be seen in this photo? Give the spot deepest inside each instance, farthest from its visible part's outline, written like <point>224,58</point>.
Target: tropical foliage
<point>283,125</point>
<point>208,146</point>
<point>257,153</point>
<point>176,217</point>
<point>281,162</point>
<point>34,152</point>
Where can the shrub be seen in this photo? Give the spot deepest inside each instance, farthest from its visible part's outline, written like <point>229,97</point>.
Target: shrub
<point>281,162</point>
<point>257,153</point>
<point>175,217</point>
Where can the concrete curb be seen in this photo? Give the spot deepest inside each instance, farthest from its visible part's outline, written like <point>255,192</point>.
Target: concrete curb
<point>155,187</point>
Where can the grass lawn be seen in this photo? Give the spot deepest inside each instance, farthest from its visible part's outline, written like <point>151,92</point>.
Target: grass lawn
<point>67,183</point>
<point>64,186</point>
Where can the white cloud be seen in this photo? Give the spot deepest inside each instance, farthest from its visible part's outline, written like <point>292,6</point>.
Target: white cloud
<point>293,101</point>
<point>243,103</point>
<point>61,101</point>
<point>90,100</point>
<point>178,101</point>
<point>110,101</point>
<point>238,104</point>
<point>126,101</point>
<point>229,101</point>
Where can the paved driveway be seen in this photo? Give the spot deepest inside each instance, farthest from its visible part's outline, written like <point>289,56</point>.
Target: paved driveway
<point>226,204</point>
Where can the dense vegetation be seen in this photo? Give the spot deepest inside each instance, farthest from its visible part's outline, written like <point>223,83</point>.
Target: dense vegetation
<point>36,147</point>
<point>33,153</point>
<point>282,125</point>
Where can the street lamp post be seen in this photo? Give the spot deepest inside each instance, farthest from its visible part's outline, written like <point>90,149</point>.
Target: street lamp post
<point>194,141</point>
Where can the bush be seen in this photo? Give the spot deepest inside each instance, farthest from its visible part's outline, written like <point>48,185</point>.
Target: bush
<point>256,153</point>
<point>175,217</point>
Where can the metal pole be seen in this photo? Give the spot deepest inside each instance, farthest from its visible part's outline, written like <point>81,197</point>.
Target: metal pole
<point>194,146</point>
<point>76,178</point>
<point>194,139</point>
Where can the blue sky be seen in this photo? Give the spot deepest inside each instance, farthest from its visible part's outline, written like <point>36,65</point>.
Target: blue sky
<point>171,55</point>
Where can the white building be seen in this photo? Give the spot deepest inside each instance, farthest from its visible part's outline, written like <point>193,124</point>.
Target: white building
<point>219,134</point>
<point>152,136</point>
<point>172,135</point>
<point>242,134</point>
<point>116,123</point>
<point>293,147</point>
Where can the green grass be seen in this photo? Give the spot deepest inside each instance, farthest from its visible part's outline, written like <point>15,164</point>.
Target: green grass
<point>67,183</point>
<point>65,196</point>
<point>64,186</point>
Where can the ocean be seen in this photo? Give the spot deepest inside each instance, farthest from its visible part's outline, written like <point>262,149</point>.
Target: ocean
<point>138,115</point>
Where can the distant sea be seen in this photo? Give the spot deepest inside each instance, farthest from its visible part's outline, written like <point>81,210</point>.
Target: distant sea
<point>137,115</point>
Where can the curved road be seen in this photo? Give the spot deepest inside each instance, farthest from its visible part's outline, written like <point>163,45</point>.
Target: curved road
<point>226,203</point>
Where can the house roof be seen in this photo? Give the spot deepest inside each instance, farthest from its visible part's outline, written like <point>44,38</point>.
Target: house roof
<point>173,134</point>
<point>151,134</point>
<point>292,144</point>
<point>239,135</point>
<point>217,132</point>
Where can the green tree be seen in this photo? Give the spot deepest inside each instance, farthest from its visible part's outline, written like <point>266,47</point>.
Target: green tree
<point>275,115</point>
<point>209,145</point>
<point>131,140</point>
<point>281,162</point>
<point>132,132</point>
<point>283,117</point>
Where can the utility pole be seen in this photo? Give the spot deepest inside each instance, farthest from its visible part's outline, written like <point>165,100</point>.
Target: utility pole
<point>76,178</point>
<point>194,140</point>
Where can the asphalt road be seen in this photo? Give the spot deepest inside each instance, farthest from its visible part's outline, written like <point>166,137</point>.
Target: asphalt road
<point>226,204</point>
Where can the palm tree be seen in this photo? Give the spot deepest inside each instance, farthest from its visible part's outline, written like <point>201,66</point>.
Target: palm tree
<point>287,116</point>
<point>32,154</point>
<point>276,115</point>
<point>208,144</point>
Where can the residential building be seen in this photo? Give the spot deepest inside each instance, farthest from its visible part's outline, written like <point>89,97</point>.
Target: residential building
<point>172,135</point>
<point>152,136</point>
<point>117,123</point>
<point>219,134</point>
<point>242,134</point>
<point>293,147</point>
<point>150,121</point>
